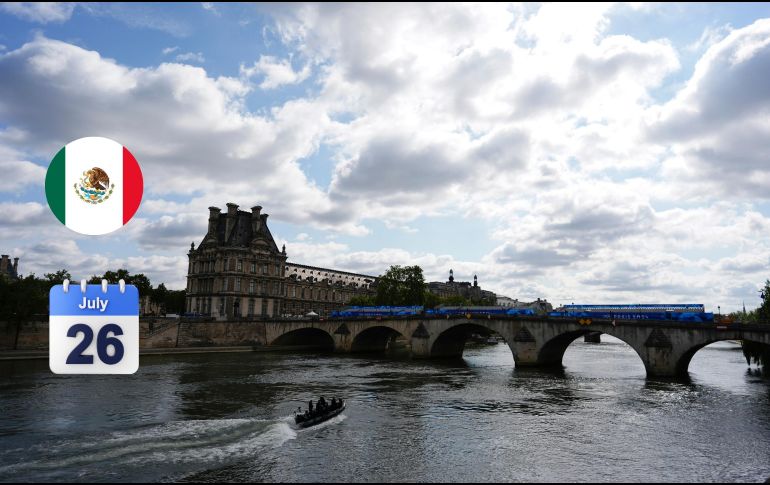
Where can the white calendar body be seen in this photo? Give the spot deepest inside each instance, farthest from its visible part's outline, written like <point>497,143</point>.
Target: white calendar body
<point>94,332</point>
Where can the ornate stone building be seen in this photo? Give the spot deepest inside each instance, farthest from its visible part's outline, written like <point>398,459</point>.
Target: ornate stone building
<point>7,270</point>
<point>464,289</point>
<point>238,271</point>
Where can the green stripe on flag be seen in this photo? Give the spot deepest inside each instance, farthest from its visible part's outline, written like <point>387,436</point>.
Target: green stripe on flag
<point>55,185</point>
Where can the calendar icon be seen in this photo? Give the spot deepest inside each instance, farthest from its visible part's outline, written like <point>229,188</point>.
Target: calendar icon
<point>94,329</point>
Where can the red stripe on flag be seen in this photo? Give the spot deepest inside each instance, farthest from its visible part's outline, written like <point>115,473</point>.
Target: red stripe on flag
<point>133,185</point>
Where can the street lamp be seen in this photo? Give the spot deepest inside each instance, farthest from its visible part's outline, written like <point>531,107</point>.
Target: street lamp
<point>719,309</point>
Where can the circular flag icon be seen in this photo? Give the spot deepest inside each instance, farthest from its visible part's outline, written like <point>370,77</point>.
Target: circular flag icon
<point>94,185</point>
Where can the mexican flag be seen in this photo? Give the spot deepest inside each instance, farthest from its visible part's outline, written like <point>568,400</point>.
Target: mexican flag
<point>94,185</point>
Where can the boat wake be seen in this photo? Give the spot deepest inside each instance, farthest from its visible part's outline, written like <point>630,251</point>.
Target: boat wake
<point>178,445</point>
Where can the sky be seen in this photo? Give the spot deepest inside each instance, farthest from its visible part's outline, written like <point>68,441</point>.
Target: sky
<point>598,153</point>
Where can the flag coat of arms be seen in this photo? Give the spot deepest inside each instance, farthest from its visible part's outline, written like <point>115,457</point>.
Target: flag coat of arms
<point>94,185</point>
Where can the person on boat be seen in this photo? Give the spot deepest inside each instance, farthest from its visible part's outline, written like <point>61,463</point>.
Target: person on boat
<point>334,403</point>
<point>310,406</point>
<point>322,403</point>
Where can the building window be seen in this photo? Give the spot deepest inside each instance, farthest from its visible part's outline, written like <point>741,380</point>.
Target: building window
<point>237,284</point>
<point>240,265</point>
<point>261,288</point>
<point>264,269</point>
<point>251,286</point>
<point>251,306</point>
<point>294,292</point>
<point>253,268</point>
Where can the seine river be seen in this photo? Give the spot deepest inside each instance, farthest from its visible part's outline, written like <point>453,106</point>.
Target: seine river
<point>227,417</point>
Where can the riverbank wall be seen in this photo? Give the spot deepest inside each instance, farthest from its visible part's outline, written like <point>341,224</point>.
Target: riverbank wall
<point>153,334</point>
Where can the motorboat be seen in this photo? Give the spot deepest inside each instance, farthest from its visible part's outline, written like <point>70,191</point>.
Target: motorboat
<point>305,420</point>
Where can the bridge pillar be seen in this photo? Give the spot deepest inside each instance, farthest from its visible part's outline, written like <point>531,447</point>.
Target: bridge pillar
<point>420,347</point>
<point>343,337</point>
<point>593,338</point>
<point>525,353</point>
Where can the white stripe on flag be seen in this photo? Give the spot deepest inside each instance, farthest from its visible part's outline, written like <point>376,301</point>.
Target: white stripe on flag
<point>83,155</point>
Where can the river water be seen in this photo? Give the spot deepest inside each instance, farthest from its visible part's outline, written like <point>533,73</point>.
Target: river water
<point>227,417</point>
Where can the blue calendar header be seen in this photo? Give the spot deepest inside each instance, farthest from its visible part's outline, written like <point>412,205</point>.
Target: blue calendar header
<point>94,301</point>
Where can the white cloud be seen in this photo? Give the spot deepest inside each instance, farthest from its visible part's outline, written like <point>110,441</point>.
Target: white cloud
<point>211,7</point>
<point>191,57</point>
<point>710,36</point>
<point>18,174</point>
<point>138,16</point>
<point>276,72</point>
<point>41,12</point>
<point>170,50</point>
<point>717,126</point>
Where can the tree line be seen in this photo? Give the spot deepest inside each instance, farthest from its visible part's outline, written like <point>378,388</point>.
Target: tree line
<point>754,351</point>
<point>27,297</point>
<point>405,286</point>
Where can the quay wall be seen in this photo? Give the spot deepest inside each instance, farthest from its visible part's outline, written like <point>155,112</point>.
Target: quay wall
<point>153,334</point>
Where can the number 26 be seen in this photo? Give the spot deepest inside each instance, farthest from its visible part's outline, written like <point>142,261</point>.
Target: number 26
<point>102,342</point>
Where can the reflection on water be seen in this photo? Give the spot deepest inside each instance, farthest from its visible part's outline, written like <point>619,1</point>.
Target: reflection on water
<point>227,417</point>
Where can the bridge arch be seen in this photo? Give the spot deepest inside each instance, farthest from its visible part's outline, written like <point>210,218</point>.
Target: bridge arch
<point>450,343</point>
<point>378,338</point>
<point>683,363</point>
<point>307,337</point>
<point>551,353</point>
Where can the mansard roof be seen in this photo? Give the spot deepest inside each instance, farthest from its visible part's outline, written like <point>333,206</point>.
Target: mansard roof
<point>243,229</point>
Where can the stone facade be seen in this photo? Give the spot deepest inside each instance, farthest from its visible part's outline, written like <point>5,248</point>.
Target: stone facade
<point>238,271</point>
<point>464,289</point>
<point>7,270</point>
<point>538,306</point>
<point>322,290</point>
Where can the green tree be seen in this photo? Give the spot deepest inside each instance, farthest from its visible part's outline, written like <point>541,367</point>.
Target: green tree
<point>763,312</point>
<point>455,300</point>
<point>139,280</point>
<point>58,277</point>
<point>175,301</point>
<point>757,352</point>
<point>21,299</point>
<point>361,300</point>
<point>401,286</point>
<point>158,296</point>
<point>431,300</point>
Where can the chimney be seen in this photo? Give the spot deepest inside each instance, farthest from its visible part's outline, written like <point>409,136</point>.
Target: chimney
<point>4,263</point>
<point>213,219</point>
<point>264,217</point>
<point>16,265</point>
<point>255,219</point>
<point>232,212</point>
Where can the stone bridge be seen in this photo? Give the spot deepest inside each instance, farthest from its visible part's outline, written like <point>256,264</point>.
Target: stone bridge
<point>664,347</point>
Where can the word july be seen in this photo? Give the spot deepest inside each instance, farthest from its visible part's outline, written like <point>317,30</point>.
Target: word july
<point>98,303</point>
